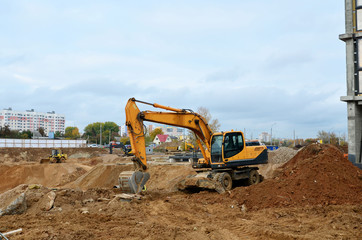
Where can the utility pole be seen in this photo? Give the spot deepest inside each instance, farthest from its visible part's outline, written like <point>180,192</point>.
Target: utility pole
<point>294,137</point>
<point>271,133</point>
<point>100,136</point>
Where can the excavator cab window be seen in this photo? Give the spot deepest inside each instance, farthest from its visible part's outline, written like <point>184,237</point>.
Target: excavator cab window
<point>216,148</point>
<point>233,144</point>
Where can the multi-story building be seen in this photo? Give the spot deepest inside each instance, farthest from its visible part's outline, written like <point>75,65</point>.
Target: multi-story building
<point>31,120</point>
<point>264,137</point>
<point>174,131</point>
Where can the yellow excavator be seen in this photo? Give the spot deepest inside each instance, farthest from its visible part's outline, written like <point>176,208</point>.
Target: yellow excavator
<point>226,157</point>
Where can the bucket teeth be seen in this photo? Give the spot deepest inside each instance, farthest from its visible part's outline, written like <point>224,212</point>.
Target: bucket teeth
<point>132,181</point>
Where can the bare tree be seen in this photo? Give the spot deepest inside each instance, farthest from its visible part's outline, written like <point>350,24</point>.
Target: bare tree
<point>213,123</point>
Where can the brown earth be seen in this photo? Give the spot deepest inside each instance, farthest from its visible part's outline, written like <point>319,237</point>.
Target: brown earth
<point>276,159</point>
<point>50,175</point>
<point>315,195</point>
<point>35,154</point>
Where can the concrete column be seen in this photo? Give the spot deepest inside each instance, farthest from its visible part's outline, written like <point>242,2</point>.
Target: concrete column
<point>353,98</point>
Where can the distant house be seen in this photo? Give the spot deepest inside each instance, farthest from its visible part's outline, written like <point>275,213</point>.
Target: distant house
<point>162,138</point>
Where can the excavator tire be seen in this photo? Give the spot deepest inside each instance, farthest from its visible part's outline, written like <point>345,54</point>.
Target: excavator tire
<point>225,180</point>
<point>254,177</point>
<point>61,160</point>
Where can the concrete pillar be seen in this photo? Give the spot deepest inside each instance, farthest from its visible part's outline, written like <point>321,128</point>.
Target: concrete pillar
<point>354,85</point>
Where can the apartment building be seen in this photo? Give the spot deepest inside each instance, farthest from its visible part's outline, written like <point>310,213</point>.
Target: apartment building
<point>174,131</point>
<point>31,120</point>
<point>264,137</point>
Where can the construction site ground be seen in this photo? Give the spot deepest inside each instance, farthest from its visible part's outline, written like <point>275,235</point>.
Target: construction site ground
<point>313,193</point>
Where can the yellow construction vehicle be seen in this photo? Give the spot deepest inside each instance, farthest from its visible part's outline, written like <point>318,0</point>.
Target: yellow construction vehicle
<point>189,146</point>
<point>57,156</point>
<point>225,155</point>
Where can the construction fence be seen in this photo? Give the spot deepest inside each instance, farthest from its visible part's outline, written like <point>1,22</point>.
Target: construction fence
<point>41,143</point>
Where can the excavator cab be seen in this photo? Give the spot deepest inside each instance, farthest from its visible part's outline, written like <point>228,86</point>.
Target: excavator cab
<point>229,150</point>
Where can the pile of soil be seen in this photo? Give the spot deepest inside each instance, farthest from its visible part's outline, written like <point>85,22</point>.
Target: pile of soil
<point>50,175</point>
<point>35,154</point>
<point>100,176</point>
<point>276,158</point>
<point>281,155</point>
<point>163,177</point>
<point>317,175</point>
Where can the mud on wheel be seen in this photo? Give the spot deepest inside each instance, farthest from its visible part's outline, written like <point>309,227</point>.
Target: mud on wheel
<point>225,180</point>
<point>254,177</point>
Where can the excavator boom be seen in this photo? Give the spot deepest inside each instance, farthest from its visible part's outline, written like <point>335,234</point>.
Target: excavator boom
<point>175,117</point>
<point>134,181</point>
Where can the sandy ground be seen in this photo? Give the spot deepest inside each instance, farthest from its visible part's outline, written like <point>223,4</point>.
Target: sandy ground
<point>316,195</point>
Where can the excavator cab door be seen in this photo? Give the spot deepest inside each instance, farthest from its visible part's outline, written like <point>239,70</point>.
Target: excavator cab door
<point>225,146</point>
<point>216,148</point>
<point>233,144</point>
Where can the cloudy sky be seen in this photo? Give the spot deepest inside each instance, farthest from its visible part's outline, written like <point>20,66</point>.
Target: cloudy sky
<point>255,65</point>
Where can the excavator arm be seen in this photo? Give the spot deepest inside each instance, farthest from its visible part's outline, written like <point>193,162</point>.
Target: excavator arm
<point>173,116</point>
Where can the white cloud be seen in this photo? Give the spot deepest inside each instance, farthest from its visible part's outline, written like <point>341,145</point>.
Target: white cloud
<point>248,65</point>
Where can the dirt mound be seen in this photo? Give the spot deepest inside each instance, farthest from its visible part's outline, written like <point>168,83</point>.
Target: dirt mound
<point>281,155</point>
<point>50,175</point>
<point>100,176</point>
<point>35,154</point>
<point>318,174</point>
<point>163,177</point>
<point>276,158</point>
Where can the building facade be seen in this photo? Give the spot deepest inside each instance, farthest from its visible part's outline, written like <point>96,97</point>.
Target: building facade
<point>31,120</point>
<point>173,131</point>
<point>264,137</point>
<point>123,131</point>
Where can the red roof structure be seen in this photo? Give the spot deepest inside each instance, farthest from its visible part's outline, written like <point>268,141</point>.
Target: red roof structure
<point>162,137</point>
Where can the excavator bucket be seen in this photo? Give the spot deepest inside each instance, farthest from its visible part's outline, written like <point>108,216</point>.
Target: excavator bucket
<point>132,181</point>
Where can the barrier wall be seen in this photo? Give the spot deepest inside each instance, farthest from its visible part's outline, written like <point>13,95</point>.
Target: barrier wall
<point>41,143</point>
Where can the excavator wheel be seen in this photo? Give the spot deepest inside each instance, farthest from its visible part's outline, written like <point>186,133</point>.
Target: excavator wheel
<point>225,180</point>
<point>61,160</point>
<point>254,177</point>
